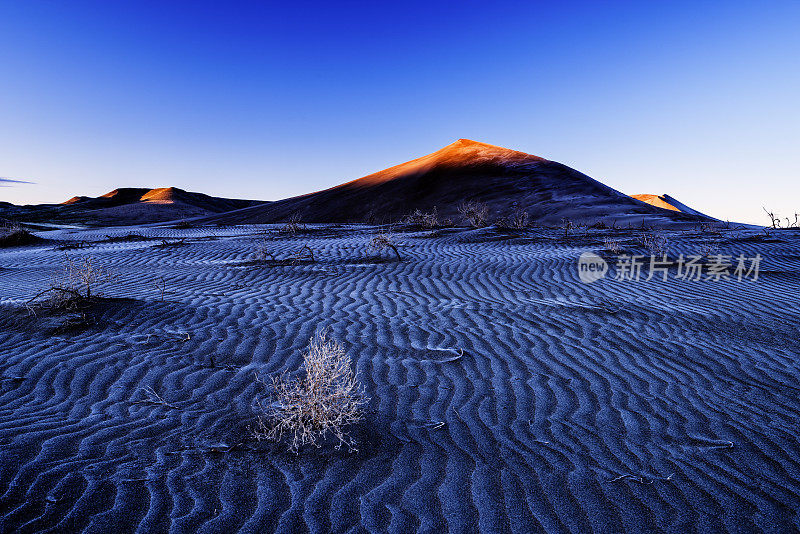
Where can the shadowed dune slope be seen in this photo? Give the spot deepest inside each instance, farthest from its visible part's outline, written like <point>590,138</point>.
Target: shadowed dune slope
<point>465,170</point>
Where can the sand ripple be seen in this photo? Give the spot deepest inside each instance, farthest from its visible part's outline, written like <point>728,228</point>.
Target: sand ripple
<point>506,396</point>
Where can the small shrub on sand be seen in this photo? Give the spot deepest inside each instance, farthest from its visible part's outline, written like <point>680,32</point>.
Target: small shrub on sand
<point>261,252</point>
<point>612,245</point>
<point>474,212</point>
<point>568,225</point>
<point>777,222</point>
<point>293,226</point>
<point>325,401</point>
<point>707,249</point>
<point>655,243</point>
<point>262,256</point>
<point>422,219</point>
<point>382,242</point>
<point>516,220</point>
<point>166,243</point>
<point>77,286</point>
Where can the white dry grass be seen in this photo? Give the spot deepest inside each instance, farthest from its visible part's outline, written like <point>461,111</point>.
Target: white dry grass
<point>324,402</point>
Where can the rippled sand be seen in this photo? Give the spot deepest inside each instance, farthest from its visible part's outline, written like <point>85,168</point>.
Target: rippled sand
<point>505,394</point>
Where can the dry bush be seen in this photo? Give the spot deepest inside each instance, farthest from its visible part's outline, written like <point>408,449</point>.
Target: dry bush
<point>568,225</point>
<point>655,243</point>
<point>261,252</point>
<point>305,253</point>
<point>474,212</point>
<point>293,226</point>
<point>77,286</point>
<point>421,219</point>
<point>612,245</point>
<point>517,219</point>
<point>383,242</point>
<point>775,220</point>
<point>323,402</point>
<point>262,255</point>
<point>708,249</point>
<point>708,228</point>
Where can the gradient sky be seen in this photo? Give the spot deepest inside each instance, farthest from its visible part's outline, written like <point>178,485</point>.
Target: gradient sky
<point>268,100</point>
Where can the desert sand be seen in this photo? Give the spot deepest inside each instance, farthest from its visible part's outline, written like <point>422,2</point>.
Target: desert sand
<point>504,394</point>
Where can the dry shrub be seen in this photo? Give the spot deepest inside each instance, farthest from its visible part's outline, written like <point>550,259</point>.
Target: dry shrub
<point>421,219</point>
<point>567,225</point>
<point>383,242</point>
<point>261,252</point>
<point>655,243</point>
<point>262,255</point>
<point>708,249</point>
<point>166,243</point>
<point>293,226</point>
<point>77,286</point>
<point>323,402</point>
<point>776,222</point>
<point>612,245</point>
<point>474,212</point>
<point>517,219</point>
<point>707,228</point>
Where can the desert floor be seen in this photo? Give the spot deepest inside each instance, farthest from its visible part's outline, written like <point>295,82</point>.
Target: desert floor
<point>505,395</point>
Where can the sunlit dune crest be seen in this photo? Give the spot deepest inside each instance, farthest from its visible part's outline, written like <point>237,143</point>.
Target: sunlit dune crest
<point>655,200</point>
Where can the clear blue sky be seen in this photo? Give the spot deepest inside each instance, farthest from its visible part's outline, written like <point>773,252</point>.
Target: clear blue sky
<point>268,100</point>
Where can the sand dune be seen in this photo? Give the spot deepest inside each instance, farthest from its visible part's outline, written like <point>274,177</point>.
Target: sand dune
<point>668,203</point>
<point>129,205</point>
<point>466,170</point>
<point>610,407</point>
<point>656,200</point>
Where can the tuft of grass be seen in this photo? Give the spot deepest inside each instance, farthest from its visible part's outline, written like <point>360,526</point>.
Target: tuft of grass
<point>323,402</point>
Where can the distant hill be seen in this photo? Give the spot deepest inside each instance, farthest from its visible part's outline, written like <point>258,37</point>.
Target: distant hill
<point>132,205</point>
<point>466,171</point>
